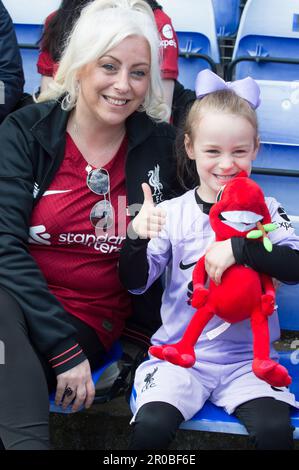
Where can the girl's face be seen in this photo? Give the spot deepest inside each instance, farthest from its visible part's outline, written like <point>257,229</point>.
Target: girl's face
<point>222,145</point>
<point>114,86</point>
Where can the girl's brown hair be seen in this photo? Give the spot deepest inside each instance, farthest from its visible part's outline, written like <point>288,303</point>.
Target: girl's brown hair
<point>225,101</point>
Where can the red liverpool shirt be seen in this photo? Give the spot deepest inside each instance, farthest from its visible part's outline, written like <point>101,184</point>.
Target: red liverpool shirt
<point>80,265</point>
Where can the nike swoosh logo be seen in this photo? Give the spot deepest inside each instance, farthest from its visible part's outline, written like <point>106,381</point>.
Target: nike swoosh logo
<point>54,191</point>
<point>276,389</point>
<point>186,266</point>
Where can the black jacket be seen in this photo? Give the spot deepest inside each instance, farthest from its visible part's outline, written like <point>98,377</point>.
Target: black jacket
<point>11,71</point>
<point>183,99</point>
<point>31,151</point>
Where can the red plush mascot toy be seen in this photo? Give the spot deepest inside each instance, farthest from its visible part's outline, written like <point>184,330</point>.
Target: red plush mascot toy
<point>240,211</point>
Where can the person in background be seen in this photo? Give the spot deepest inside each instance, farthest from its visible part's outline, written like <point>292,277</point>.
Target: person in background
<point>70,178</point>
<point>11,71</point>
<point>169,50</point>
<point>220,140</point>
<point>59,24</point>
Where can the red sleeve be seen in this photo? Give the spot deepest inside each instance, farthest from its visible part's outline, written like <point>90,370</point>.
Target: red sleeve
<point>169,45</point>
<point>45,64</point>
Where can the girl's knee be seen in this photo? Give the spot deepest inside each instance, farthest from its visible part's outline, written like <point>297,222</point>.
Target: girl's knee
<point>155,426</point>
<point>273,434</point>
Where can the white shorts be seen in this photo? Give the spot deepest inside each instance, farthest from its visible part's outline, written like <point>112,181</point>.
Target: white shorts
<point>226,385</point>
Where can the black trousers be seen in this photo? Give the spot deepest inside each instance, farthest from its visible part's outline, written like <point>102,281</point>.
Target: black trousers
<point>267,421</point>
<point>26,378</point>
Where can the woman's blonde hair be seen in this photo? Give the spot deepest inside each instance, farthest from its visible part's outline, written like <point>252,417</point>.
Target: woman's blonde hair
<point>222,101</point>
<point>102,25</point>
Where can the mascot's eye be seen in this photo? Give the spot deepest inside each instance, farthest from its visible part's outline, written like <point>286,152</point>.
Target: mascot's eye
<point>219,195</point>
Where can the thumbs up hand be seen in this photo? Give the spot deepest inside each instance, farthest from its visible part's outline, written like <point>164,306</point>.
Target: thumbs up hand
<point>150,220</point>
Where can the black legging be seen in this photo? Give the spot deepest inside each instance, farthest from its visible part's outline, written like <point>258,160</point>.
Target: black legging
<point>266,420</point>
<point>26,378</point>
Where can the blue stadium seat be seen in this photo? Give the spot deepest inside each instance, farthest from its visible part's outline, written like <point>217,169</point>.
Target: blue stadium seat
<point>268,30</point>
<point>32,77</point>
<point>111,357</point>
<point>28,36</point>
<point>278,112</point>
<point>267,48</point>
<point>211,418</point>
<point>28,33</point>
<point>227,16</point>
<point>274,163</point>
<point>194,23</point>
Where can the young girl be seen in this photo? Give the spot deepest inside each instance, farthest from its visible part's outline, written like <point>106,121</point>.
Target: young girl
<point>220,140</point>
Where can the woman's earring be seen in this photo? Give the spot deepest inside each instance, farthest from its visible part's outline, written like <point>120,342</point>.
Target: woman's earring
<point>68,99</point>
<point>77,87</point>
<point>141,107</point>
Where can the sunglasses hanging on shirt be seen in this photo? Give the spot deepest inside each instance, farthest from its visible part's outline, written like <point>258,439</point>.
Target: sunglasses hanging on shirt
<point>101,214</point>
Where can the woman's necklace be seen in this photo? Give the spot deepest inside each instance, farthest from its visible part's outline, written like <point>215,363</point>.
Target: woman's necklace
<point>109,150</point>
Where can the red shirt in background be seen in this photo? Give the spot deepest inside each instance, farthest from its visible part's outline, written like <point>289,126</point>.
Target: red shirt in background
<point>45,64</point>
<point>169,45</point>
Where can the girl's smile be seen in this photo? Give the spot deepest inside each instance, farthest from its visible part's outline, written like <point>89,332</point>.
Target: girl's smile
<point>222,145</point>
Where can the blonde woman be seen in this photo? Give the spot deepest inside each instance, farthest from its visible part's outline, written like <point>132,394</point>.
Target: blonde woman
<point>71,174</point>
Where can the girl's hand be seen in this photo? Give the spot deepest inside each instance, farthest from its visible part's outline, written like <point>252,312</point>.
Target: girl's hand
<point>77,380</point>
<point>150,220</point>
<point>218,258</point>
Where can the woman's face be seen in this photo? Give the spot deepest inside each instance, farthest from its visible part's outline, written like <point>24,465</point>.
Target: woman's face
<point>114,86</point>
